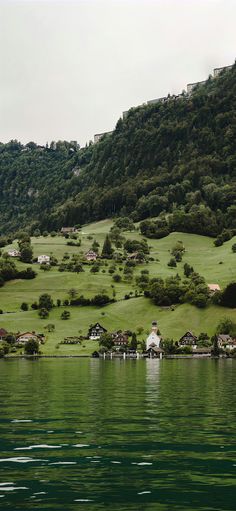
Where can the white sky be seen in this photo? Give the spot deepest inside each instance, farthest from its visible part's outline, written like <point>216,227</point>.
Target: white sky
<point>69,68</point>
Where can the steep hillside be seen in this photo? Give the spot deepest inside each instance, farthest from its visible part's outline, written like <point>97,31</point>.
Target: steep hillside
<point>174,157</point>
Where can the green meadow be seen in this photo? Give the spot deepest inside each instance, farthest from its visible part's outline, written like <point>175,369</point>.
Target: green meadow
<point>217,265</point>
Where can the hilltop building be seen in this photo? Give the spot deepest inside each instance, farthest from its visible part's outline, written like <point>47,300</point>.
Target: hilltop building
<point>98,136</point>
<point>91,255</point>
<point>218,70</point>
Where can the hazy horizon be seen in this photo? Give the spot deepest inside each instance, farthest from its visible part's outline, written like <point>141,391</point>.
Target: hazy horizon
<point>70,68</point>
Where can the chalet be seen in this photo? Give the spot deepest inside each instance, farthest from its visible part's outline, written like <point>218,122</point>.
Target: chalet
<point>23,338</point>
<point>153,339</point>
<point>188,339</point>
<point>44,259</point>
<point>3,333</point>
<point>120,339</point>
<point>14,253</point>
<point>213,288</point>
<point>91,255</point>
<point>226,342</point>
<point>95,331</point>
<point>68,230</point>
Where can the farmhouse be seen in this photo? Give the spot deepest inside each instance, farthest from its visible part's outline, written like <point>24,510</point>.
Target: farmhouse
<point>120,339</point>
<point>91,255</point>
<point>68,230</point>
<point>14,253</point>
<point>226,342</point>
<point>23,338</point>
<point>213,288</point>
<point>95,331</point>
<point>153,339</point>
<point>44,259</point>
<point>188,339</point>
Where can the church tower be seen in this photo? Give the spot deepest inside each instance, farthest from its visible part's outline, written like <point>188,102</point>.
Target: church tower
<point>153,339</point>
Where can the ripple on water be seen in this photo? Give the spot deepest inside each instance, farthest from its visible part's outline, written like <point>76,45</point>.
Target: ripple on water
<point>40,446</point>
<point>20,459</point>
<point>21,420</point>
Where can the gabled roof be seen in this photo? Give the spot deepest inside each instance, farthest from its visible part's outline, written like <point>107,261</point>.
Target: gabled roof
<point>213,287</point>
<point>188,334</point>
<point>97,325</point>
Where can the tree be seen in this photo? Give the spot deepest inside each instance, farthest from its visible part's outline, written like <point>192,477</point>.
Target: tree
<point>215,347</point>
<point>228,296</point>
<point>65,314</point>
<point>116,277</point>
<point>133,342</point>
<point>32,347</point>
<point>234,248</point>
<point>106,341</point>
<point>226,326</point>
<point>43,313</point>
<point>107,248</point>
<point>50,327</point>
<point>24,306</point>
<point>100,300</point>
<point>45,301</point>
<point>73,293</point>
<point>26,253</point>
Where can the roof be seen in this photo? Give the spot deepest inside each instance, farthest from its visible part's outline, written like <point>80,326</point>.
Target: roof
<point>225,338</point>
<point>32,334</point>
<point>214,287</point>
<point>202,350</point>
<point>188,333</point>
<point>2,332</point>
<point>155,348</point>
<point>97,325</point>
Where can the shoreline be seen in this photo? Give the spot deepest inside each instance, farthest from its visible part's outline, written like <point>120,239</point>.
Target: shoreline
<point>168,357</point>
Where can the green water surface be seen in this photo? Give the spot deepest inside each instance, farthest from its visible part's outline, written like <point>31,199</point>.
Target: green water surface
<point>138,435</point>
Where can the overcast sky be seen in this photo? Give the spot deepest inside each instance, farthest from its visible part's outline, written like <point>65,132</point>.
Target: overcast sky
<point>69,68</point>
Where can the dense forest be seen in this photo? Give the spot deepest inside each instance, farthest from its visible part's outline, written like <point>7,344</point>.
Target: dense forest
<point>174,160</point>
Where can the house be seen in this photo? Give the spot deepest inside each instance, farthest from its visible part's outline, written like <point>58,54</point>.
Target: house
<point>154,352</point>
<point>68,230</point>
<point>91,255</point>
<point>23,338</point>
<point>14,253</point>
<point>226,342</point>
<point>153,339</point>
<point>3,333</point>
<point>213,288</point>
<point>120,339</point>
<point>95,331</point>
<point>98,136</point>
<point>218,70</point>
<point>188,339</point>
<point>192,86</point>
<point>44,259</point>
<point>154,101</point>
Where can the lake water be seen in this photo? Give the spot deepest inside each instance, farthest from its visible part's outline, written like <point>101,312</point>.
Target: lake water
<point>143,435</point>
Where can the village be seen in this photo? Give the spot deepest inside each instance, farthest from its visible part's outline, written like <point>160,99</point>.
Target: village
<point>124,344</point>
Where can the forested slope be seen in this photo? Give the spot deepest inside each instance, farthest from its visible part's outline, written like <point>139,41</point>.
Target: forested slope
<point>176,159</point>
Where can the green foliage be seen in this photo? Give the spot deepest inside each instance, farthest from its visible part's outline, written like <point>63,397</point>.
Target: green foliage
<point>43,313</point>
<point>106,341</point>
<point>107,248</point>
<point>234,248</point>
<point>24,306</point>
<point>228,296</point>
<point>226,326</point>
<point>65,315</point>
<point>45,301</point>
<point>32,347</point>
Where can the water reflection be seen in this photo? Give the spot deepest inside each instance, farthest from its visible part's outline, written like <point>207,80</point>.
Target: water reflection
<point>127,435</point>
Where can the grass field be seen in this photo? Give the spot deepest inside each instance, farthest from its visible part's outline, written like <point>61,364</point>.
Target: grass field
<point>124,314</point>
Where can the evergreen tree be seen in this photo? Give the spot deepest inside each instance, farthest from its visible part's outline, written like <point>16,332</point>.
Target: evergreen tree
<point>107,248</point>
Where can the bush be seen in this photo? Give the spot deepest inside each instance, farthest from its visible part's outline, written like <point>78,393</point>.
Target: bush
<point>116,277</point>
<point>65,314</point>
<point>24,306</point>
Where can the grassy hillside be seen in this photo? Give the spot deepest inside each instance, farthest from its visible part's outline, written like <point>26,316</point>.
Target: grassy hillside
<point>132,313</point>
